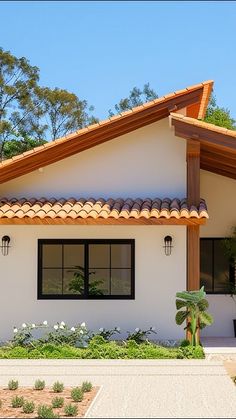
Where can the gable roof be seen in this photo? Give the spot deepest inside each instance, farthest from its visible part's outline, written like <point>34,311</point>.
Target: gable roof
<point>218,144</point>
<point>103,211</point>
<point>194,98</point>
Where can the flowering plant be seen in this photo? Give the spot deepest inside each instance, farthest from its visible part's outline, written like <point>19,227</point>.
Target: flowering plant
<point>139,335</point>
<point>107,333</point>
<point>59,333</point>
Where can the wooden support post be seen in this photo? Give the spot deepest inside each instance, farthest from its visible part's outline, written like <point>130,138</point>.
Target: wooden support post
<point>193,196</point>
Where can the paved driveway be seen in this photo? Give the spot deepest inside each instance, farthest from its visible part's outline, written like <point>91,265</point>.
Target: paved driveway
<point>139,388</point>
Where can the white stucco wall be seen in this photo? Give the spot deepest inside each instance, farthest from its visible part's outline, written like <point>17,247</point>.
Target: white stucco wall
<point>157,279</point>
<point>220,194</point>
<point>149,162</point>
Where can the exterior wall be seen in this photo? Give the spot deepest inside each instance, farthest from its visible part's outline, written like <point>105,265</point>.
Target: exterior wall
<point>149,162</point>
<point>220,194</point>
<point>157,279</point>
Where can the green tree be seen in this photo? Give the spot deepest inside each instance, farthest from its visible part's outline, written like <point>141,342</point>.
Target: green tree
<point>18,80</point>
<point>136,98</point>
<point>29,114</point>
<point>219,116</point>
<point>63,112</point>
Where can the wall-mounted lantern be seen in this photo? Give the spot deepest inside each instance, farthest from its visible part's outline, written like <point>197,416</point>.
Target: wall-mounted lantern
<point>168,245</point>
<point>5,245</point>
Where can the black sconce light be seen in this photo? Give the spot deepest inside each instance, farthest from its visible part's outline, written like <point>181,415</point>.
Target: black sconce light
<point>168,245</point>
<point>5,245</point>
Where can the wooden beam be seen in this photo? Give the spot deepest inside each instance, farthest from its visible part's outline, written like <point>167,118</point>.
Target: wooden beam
<point>193,172</point>
<point>102,221</point>
<point>193,258</point>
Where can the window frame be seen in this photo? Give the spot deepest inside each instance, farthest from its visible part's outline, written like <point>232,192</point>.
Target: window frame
<point>231,271</point>
<point>86,296</point>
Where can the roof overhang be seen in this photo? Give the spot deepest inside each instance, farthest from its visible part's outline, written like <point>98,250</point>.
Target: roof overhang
<point>194,99</point>
<point>217,144</point>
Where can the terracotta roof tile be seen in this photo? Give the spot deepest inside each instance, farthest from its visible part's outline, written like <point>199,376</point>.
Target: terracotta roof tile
<point>100,208</point>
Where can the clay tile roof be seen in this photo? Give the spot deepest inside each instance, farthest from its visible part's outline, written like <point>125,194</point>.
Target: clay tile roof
<point>100,208</point>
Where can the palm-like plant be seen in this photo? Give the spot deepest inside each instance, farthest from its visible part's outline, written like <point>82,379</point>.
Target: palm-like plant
<point>191,306</point>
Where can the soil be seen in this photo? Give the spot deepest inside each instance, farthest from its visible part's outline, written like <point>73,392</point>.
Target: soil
<point>42,397</point>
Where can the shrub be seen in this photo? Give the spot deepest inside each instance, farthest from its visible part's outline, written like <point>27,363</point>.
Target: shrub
<point>13,385</point>
<point>45,412</point>
<point>28,407</point>
<point>77,394</point>
<point>107,333</point>
<point>17,401</point>
<point>139,336</point>
<point>57,402</point>
<point>191,352</point>
<point>39,385</point>
<point>58,387</point>
<point>86,386</point>
<point>71,410</point>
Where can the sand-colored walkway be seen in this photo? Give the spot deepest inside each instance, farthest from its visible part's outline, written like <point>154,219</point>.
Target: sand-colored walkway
<point>139,388</point>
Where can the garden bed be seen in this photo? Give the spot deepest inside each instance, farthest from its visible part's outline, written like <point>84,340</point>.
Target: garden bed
<point>42,397</point>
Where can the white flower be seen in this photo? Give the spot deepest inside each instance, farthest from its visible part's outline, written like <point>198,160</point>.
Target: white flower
<point>101,329</point>
<point>152,328</point>
<point>63,324</point>
<point>81,332</point>
<point>73,329</point>
<point>33,325</point>
<point>118,329</point>
<point>55,327</point>
<point>45,323</point>
<point>82,324</point>
<point>15,330</point>
<point>137,329</point>
<point>24,325</point>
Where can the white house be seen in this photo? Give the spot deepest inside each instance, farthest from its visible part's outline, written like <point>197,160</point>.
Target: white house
<point>89,215</point>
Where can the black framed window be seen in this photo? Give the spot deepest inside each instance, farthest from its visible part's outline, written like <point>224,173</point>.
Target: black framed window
<point>216,273</point>
<point>85,269</point>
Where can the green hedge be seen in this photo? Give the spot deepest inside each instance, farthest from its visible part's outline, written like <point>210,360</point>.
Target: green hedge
<point>98,348</point>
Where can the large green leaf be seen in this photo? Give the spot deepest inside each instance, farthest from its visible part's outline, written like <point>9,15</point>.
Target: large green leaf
<point>192,296</point>
<point>203,305</point>
<point>181,316</point>
<point>205,319</point>
<point>180,304</point>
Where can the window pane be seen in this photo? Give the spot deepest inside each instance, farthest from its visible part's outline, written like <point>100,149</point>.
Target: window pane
<point>120,281</point>
<point>73,255</point>
<point>99,255</point>
<point>206,265</point>
<point>52,281</point>
<point>121,256</point>
<point>73,281</point>
<point>52,256</point>
<point>99,282</point>
<point>221,268</point>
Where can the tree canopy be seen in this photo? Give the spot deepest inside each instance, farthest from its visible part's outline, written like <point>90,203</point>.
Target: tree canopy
<point>30,114</point>
<point>219,116</point>
<point>136,98</point>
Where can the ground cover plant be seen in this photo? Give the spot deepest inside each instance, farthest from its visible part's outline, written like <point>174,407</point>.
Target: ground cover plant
<point>63,342</point>
<point>27,402</point>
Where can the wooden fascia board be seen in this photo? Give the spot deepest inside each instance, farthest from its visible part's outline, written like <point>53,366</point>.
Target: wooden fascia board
<point>110,221</point>
<point>102,133</point>
<point>206,136</point>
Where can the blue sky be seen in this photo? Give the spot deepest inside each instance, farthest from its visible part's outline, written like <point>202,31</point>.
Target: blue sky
<point>101,49</point>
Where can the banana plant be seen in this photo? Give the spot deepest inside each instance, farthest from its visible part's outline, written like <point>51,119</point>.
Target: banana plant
<point>191,306</point>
